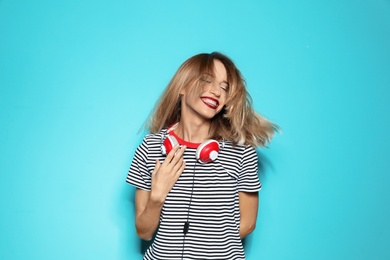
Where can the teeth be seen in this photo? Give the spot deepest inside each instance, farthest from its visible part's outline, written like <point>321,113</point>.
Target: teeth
<point>210,102</point>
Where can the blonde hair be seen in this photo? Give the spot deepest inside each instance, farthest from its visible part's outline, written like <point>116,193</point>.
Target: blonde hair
<point>237,122</point>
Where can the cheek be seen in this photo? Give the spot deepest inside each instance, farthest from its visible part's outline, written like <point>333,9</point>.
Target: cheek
<point>223,99</point>
<point>221,106</point>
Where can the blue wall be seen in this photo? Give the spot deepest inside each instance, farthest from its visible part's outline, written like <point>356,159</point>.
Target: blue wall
<point>78,79</point>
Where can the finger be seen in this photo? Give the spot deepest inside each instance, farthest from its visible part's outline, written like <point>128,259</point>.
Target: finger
<point>178,155</point>
<point>177,162</point>
<point>181,151</point>
<point>172,153</point>
<point>180,169</point>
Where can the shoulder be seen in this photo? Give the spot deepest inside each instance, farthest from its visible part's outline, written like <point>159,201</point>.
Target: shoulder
<point>238,154</point>
<point>151,143</point>
<point>238,160</point>
<point>237,150</point>
<point>153,138</point>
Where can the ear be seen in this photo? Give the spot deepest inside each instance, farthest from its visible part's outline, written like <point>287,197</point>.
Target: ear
<point>183,91</point>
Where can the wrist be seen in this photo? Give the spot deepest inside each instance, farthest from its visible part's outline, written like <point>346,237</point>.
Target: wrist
<point>156,199</point>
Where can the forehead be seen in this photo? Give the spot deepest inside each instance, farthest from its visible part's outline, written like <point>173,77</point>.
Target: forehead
<point>219,70</point>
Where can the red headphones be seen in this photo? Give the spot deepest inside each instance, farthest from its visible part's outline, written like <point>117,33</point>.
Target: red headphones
<point>206,151</point>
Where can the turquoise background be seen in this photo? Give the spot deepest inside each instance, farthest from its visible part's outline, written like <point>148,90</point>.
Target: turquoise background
<point>78,79</point>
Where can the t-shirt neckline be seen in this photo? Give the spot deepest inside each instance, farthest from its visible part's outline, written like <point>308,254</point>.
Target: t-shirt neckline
<point>184,142</point>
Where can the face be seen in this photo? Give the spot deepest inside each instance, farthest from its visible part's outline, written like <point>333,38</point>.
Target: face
<point>211,100</point>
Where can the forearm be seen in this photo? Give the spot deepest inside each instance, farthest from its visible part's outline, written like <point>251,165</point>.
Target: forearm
<point>248,212</point>
<point>246,229</point>
<point>150,203</point>
<point>148,220</point>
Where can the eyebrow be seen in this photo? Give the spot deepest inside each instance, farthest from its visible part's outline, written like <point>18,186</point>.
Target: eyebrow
<point>213,76</point>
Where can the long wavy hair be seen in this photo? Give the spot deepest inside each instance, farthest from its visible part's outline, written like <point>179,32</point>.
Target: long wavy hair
<point>237,121</point>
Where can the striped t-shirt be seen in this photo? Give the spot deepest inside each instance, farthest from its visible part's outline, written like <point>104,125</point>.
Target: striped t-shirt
<point>205,196</point>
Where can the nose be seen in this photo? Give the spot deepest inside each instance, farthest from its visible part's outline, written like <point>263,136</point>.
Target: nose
<point>215,89</point>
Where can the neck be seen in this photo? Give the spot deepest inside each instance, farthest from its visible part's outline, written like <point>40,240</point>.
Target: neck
<point>194,132</point>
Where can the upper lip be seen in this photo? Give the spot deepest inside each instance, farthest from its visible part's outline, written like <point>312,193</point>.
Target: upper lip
<point>214,102</point>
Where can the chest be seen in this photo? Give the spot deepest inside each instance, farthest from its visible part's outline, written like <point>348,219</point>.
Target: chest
<point>212,184</point>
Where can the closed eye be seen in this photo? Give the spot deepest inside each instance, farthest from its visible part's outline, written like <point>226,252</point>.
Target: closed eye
<point>224,86</point>
<point>207,80</point>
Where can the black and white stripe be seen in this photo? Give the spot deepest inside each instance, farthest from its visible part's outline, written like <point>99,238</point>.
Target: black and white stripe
<point>205,195</point>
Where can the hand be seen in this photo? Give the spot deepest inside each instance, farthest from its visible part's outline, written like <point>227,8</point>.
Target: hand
<point>165,174</point>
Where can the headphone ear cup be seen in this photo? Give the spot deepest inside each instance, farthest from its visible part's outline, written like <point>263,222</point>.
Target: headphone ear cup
<point>207,151</point>
<point>168,144</point>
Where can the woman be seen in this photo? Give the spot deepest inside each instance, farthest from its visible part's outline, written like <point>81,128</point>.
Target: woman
<point>196,173</point>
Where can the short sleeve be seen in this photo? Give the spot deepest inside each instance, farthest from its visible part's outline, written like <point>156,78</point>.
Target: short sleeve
<point>139,175</point>
<point>248,179</point>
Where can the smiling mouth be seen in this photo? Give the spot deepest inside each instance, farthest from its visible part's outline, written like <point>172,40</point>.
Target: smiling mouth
<point>210,102</point>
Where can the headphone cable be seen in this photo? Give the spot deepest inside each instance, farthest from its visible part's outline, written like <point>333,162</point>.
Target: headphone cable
<point>187,223</point>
